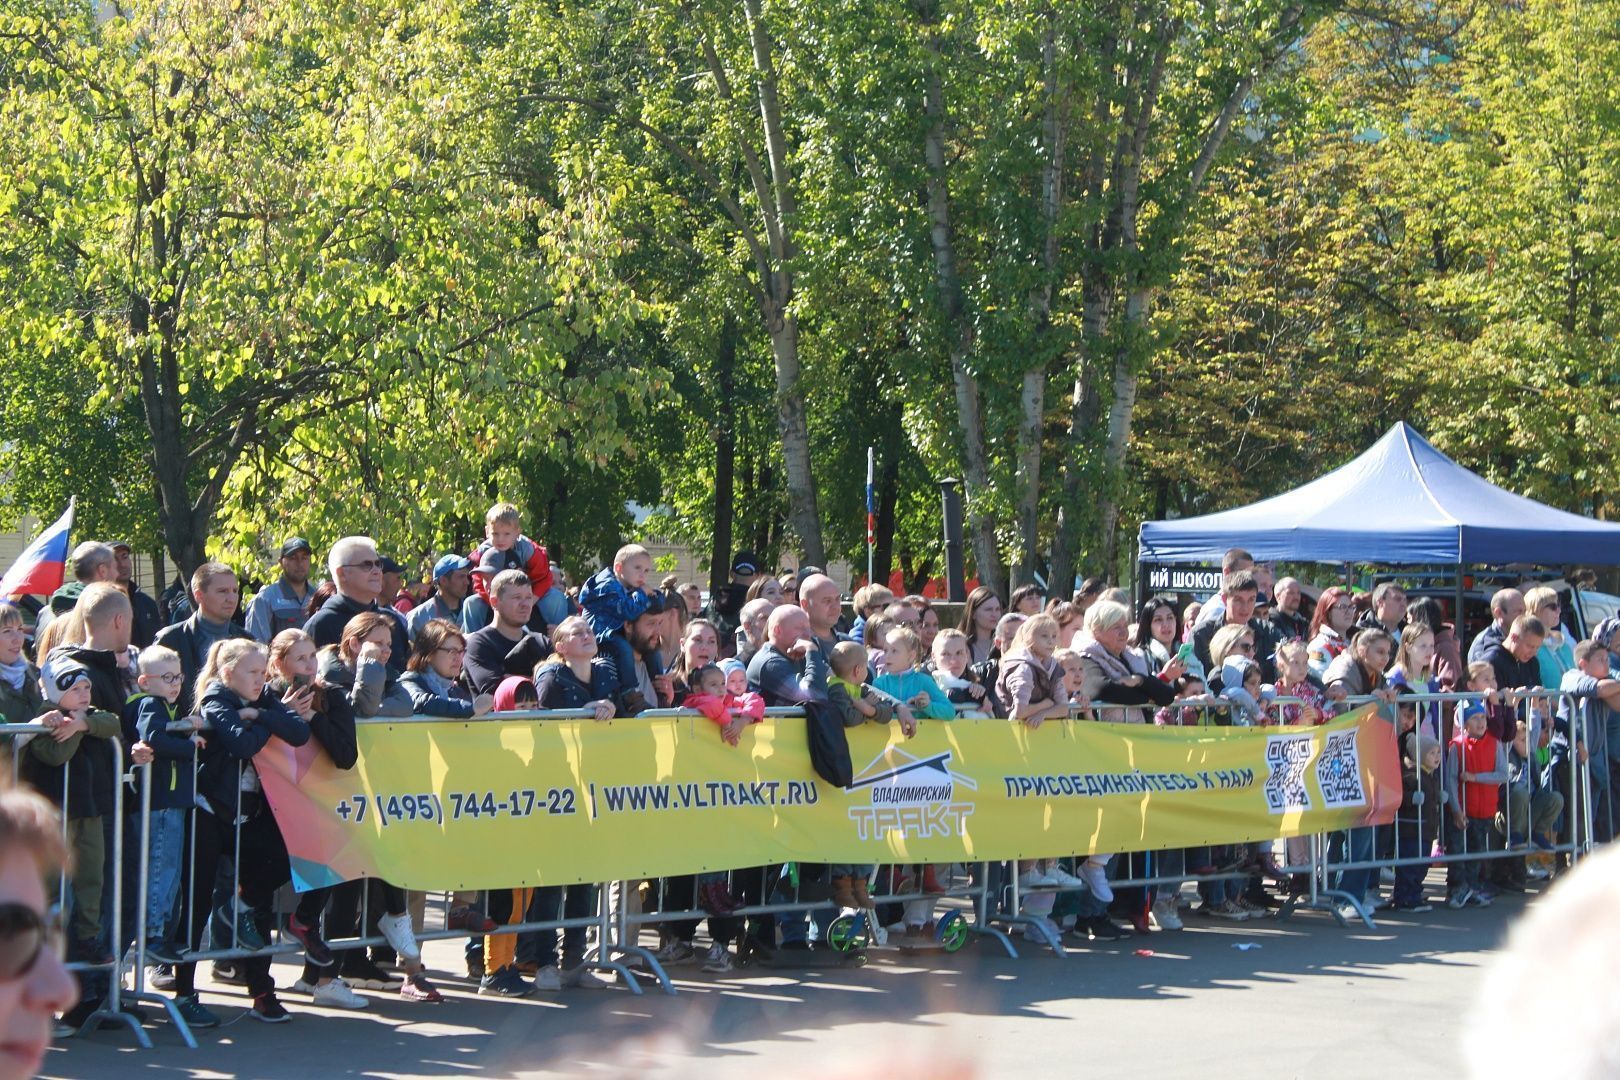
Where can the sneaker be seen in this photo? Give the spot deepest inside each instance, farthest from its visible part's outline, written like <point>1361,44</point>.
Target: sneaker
<point>471,919</point>
<point>1033,934</point>
<point>194,1013</point>
<point>336,995</point>
<point>364,975</point>
<point>475,965</point>
<point>1538,873</point>
<point>1481,898</point>
<point>246,933</point>
<point>310,938</point>
<point>417,988</point>
<point>505,982</point>
<point>675,951</point>
<point>717,959</point>
<point>163,952</point>
<point>1102,928</point>
<point>1063,879</point>
<point>269,1010</point>
<point>1035,878</point>
<point>1229,910</point>
<point>396,929</point>
<point>548,979</point>
<point>1416,907</point>
<point>159,977</point>
<point>1164,915</point>
<point>583,978</point>
<point>230,973</point>
<point>1460,898</point>
<point>1095,876</point>
<point>302,985</point>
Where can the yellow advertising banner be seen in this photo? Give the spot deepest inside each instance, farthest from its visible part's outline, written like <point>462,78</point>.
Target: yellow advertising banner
<point>497,803</point>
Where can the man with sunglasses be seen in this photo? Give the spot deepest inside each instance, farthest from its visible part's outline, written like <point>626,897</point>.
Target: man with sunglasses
<point>357,573</point>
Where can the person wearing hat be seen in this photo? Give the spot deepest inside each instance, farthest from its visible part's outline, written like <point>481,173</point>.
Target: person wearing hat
<point>280,605</point>
<point>393,583</point>
<point>726,603</point>
<point>148,616</point>
<point>452,582</point>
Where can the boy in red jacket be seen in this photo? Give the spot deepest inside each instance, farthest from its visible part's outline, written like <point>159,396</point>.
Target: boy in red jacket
<point>1476,769</point>
<point>503,533</point>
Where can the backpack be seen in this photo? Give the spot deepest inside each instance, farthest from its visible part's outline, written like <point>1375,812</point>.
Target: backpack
<point>829,748</point>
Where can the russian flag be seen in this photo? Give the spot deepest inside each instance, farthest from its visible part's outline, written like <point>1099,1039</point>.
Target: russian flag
<point>40,569</point>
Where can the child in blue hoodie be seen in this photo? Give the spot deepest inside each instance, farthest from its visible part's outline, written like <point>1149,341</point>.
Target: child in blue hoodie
<point>614,598</point>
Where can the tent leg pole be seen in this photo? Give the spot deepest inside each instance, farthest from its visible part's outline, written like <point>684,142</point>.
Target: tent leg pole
<point>1457,616</point>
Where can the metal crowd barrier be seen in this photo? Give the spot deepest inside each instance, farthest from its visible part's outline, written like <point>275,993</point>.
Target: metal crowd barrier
<point>618,926</point>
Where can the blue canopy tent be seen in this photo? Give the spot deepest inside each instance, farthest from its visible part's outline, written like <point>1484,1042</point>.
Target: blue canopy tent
<point>1402,503</point>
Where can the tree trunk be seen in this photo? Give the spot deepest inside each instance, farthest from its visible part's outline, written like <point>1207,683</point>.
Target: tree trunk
<point>1126,383</point>
<point>1032,399</point>
<point>725,456</point>
<point>793,426</point>
<point>970,418</point>
<point>781,207</point>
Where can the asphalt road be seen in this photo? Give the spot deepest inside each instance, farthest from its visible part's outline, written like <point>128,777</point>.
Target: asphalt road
<point>1312,1000</point>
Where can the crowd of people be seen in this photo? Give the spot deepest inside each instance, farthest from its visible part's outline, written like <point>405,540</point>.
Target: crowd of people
<point>196,692</point>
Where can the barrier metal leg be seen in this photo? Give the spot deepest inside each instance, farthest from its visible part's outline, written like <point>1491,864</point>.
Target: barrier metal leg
<point>981,908</point>
<point>616,942</point>
<point>1043,931</point>
<point>143,890</point>
<point>1323,898</point>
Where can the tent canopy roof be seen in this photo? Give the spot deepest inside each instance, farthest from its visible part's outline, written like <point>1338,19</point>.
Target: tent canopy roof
<point>1402,502</point>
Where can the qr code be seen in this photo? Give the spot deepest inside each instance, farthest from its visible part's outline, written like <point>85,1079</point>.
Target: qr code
<point>1338,771</point>
<point>1286,758</point>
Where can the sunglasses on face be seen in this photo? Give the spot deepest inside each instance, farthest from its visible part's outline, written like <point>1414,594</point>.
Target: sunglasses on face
<point>24,934</point>
<point>367,565</point>
<point>1244,646</point>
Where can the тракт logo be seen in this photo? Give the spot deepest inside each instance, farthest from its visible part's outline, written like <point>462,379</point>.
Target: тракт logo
<point>913,796</point>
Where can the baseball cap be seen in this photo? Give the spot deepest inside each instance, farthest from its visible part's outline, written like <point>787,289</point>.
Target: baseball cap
<point>293,546</point>
<point>116,544</point>
<point>1472,709</point>
<point>491,562</point>
<point>449,564</point>
<point>60,673</point>
<point>746,562</point>
<point>389,566</point>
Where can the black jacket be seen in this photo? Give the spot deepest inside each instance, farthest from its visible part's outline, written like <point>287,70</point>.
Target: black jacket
<point>184,639</point>
<point>146,718</point>
<point>233,741</point>
<point>333,728</point>
<point>326,627</point>
<point>148,618</point>
<point>1265,647</point>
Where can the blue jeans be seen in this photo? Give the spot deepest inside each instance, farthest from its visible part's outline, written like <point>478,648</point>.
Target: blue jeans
<point>553,606</point>
<point>1356,882</point>
<point>550,902</point>
<point>167,855</point>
